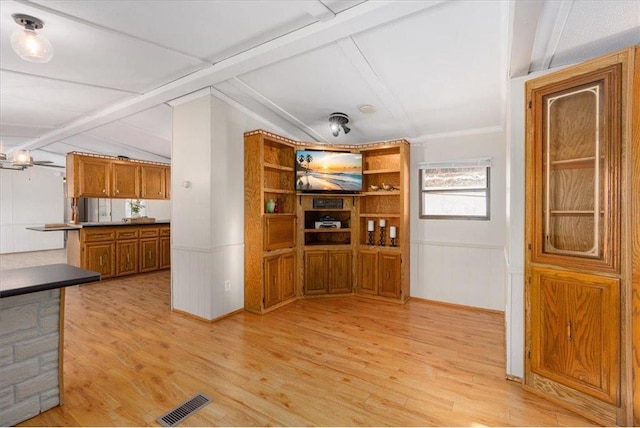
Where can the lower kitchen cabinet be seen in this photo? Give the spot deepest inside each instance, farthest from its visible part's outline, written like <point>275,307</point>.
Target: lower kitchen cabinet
<point>149,254</point>
<point>100,257</point>
<point>127,257</point>
<point>120,250</point>
<point>280,273</point>
<point>327,271</point>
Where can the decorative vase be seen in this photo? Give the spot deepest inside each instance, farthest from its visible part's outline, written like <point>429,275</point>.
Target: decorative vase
<point>271,205</point>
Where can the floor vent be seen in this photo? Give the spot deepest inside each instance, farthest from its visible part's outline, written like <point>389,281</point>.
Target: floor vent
<point>184,410</point>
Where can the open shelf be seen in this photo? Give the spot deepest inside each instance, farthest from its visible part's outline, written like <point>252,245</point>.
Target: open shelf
<point>278,167</point>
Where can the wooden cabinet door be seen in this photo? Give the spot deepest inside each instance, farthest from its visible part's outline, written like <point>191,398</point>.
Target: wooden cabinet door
<point>100,257</point>
<point>368,272</point>
<point>149,254</point>
<point>576,326</point>
<point>288,275</point>
<point>389,265</point>
<point>165,252</point>
<point>315,272</point>
<point>152,182</point>
<point>339,271</point>
<point>271,281</point>
<point>93,177</point>
<point>125,181</point>
<point>167,182</point>
<point>126,257</point>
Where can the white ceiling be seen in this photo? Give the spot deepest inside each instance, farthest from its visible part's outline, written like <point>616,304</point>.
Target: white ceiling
<point>429,67</point>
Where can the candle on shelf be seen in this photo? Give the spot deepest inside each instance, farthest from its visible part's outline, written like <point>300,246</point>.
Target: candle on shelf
<point>392,232</point>
<point>370,226</point>
<point>383,222</point>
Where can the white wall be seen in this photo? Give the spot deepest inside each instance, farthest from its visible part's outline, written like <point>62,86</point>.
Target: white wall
<point>31,197</point>
<point>207,224</point>
<point>461,261</point>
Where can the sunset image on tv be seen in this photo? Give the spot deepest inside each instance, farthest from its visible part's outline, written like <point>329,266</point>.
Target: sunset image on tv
<point>326,171</point>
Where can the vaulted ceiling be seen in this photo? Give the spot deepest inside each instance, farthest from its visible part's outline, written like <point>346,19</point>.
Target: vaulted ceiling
<point>427,67</point>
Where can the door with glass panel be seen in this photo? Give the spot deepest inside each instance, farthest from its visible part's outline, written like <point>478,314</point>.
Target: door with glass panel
<point>572,222</point>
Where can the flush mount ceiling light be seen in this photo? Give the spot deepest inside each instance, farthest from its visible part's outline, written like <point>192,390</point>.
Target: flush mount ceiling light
<point>337,121</point>
<point>29,45</point>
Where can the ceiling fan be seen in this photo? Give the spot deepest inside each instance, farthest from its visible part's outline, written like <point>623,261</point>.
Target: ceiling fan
<point>22,159</point>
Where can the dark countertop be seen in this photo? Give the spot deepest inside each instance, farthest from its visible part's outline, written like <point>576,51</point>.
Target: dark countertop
<point>122,223</point>
<point>26,280</point>
<point>53,229</point>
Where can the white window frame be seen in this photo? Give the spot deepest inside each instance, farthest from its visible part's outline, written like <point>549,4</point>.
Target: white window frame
<point>423,168</point>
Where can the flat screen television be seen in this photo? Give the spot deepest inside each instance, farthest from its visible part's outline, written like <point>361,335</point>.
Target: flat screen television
<point>328,171</point>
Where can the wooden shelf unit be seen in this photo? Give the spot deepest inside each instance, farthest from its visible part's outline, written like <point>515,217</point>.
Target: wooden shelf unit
<point>582,264</point>
<point>327,259</point>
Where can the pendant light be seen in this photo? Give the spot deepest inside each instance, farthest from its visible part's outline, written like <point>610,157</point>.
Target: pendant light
<point>29,45</point>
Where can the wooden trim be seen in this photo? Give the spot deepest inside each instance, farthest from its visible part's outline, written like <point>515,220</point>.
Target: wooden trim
<point>116,158</point>
<point>458,306</point>
<point>203,319</point>
<point>632,129</point>
<point>512,378</point>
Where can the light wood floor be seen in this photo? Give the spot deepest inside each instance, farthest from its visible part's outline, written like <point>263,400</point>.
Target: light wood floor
<point>336,361</point>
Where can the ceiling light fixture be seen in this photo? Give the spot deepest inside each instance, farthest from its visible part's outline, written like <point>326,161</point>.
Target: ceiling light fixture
<point>22,158</point>
<point>29,45</point>
<point>337,121</point>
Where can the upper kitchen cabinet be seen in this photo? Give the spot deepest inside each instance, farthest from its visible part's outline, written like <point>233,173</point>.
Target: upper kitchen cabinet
<point>88,176</point>
<point>153,182</point>
<point>97,176</point>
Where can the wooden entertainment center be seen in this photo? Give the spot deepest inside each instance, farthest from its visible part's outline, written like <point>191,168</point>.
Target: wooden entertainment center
<point>289,256</point>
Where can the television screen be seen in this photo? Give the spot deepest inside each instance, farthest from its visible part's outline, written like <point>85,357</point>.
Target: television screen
<point>328,171</point>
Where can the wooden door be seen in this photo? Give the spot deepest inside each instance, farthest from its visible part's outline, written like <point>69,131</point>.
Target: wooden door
<point>165,252</point>
<point>149,254</point>
<point>288,275</point>
<point>271,281</point>
<point>315,272</point>
<point>125,180</point>
<point>368,272</point>
<point>100,257</point>
<point>152,182</point>
<point>127,257</point>
<point>389,265</point>
<point>576,326</point>
<point>339,272</point>
<point>93,177</point>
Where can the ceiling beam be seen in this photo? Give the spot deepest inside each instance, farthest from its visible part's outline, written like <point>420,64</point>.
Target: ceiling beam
<point>359,61</point>
<point>553,21</point>
<point>257,96</point>
<point>359,18</point>
<point>523,23</point>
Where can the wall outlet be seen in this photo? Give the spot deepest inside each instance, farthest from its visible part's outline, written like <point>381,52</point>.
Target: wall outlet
<point>227,285</point>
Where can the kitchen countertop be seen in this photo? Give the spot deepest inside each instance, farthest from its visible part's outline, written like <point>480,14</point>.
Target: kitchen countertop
<point>26,280</point>
<point>122,223</point>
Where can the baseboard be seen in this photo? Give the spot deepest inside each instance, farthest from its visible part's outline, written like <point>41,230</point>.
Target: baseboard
<point>516,379</point>
<point>199,318</point>
<point>457,305</point>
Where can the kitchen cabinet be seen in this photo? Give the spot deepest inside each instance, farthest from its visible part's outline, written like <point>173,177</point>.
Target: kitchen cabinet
<point>165,248</point>
<point>125,182</point>
<point>100,257</point>
<point>120,250</point>
<point>153,182</point>
<point>97,176</point>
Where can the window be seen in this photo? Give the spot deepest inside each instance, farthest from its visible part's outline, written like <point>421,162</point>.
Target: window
<point>455,190</point>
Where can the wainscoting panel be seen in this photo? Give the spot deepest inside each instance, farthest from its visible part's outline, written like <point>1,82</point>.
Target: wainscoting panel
<point>464,274</point>
<point>198,280</point>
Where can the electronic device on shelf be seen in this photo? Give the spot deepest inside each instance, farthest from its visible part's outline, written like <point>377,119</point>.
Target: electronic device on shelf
<point>326,221</point>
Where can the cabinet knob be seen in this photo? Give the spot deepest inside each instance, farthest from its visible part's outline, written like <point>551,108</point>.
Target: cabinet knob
<point>104,190</point>
<point>117,190</point>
